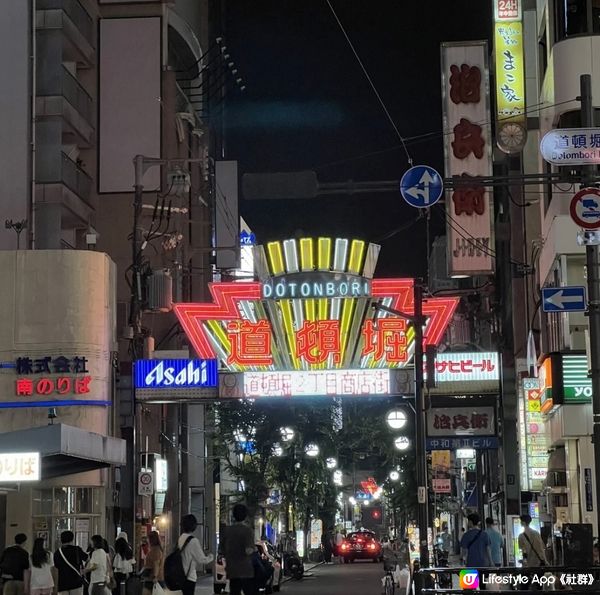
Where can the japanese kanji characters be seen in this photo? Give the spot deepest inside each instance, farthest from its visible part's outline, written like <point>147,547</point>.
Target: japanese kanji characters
<point>465,84</point>
<point>45,386</point>
<point>467,140</point>
<point>469,200</point>
<point>250,343</point>
<point>385,337</point>
<point>317,340</point>
<point>459,421</point>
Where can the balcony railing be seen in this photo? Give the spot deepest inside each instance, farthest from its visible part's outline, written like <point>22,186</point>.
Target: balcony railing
<point>69,174</point>
<point>75,11</point>
<point>67,86</point>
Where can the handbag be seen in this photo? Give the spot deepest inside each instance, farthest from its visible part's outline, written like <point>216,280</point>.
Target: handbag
<point>85,581</point>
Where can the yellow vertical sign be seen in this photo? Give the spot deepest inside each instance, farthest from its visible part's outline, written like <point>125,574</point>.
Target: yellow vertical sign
<point>510,71</point>
<point>440,462</point>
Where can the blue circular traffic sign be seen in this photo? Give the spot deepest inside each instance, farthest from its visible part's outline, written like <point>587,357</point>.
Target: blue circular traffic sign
<point>421,186</point>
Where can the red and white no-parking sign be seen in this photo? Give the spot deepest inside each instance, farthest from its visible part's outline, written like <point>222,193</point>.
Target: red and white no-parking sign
<point>585,208</point>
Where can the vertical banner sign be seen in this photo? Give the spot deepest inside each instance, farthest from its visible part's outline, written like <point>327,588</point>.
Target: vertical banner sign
<point>534,459</point>
<point>510,76</point>
<point>468,153</point>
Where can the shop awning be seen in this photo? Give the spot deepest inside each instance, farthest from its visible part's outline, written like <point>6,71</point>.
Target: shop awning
<point>65,450</point>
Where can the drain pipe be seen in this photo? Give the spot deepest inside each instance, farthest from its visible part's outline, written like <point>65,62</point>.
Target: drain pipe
<point>31,222</point>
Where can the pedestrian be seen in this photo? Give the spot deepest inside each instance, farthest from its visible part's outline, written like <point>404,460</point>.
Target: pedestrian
<point>191,553</point>
<point>14,562</point>
<point>123,562</point>
<point>69,561</point>
<point>532,547</point>
<point>339,539</point>
<point>238,547</point>
<point>326,545</point>
<point>496,542</point>
<point>153,570</point>
<point>97,566</point>
<point>475,544</point>
<point>41,581</point>
<point>445,539</point>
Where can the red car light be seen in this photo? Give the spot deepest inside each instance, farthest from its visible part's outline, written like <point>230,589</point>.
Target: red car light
<point>372,546</point>
<point>344,546</point>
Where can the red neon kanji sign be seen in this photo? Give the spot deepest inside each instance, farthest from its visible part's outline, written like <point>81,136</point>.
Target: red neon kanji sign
<point>45,386</point>
<point>385,337</point>
<point>250,343</point>
<point>317,340</point>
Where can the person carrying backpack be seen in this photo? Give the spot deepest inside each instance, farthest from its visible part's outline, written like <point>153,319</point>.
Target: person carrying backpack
<point>182,564</point>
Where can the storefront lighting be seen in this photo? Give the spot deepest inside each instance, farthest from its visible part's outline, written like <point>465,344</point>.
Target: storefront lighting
<point>331,463</point>
<point>465,453</point>
<point>338,477</point>
<point>394,475</point>
<point>287,434</point>
<point>352,500</point>
<point>277,450</point>
<point>402,443</point>
<point>311,450</point>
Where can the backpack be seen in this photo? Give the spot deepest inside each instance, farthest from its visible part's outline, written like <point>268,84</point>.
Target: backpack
<point>175,573</point>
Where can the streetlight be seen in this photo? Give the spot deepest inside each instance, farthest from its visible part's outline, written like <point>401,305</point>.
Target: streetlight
<point>394,475</point>
<point>396,419</point>
<point>402,442</point>
<point>277,450</point>
<point>287,434</point>
<point>352,500</point>
<point>331,463</point>
<point>338,477</point>
<point>311,450</point>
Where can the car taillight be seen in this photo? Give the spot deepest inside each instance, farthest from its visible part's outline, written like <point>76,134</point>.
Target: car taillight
<point>372,546</point>
<point>345,546</point>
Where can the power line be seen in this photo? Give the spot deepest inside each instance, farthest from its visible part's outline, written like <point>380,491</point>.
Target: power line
<point>385,109</point>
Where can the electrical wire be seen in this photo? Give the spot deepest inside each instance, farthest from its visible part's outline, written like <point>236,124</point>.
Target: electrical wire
<point>397,230</point>
<point>368,77</point>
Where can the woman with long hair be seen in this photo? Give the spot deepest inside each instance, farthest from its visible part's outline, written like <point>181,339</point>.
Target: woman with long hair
<point>122,562</point>
<point>153,564</point>
<point>41,581</point>
<point>97,566</point>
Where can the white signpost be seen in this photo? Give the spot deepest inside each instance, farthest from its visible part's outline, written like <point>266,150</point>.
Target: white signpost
<point>571,146</point>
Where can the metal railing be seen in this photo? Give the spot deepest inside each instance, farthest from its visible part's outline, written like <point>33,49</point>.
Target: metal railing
<point>69,174</point>
<point>507,579</point>
<point>75,11</point>
<point>67,86</point>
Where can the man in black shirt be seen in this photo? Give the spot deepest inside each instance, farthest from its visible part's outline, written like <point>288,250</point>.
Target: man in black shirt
<point>14,562</point>
<point>69,560</point>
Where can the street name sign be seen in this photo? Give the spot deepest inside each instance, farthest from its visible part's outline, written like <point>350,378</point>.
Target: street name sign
<point>563,299</point>
<point>585,208</point>
<point>421,186</point>
<point>571,146</point>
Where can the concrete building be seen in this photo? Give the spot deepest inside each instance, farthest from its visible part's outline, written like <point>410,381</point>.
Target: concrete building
<point>93,83</point>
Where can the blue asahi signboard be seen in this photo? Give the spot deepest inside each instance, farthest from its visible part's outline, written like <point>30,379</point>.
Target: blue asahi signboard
<point>175,373</point>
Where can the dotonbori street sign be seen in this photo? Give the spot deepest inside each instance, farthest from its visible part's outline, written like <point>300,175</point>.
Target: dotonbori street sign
<point>563,299</point>
<point>585,208</point>
<point>421,186</point>
<point>571,146</point>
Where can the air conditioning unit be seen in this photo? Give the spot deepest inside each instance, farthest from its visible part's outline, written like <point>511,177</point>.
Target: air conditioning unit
<point>159,291</point>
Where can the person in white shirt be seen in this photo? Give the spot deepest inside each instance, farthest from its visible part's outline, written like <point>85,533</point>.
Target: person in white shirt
<point>41,581</point>
<point>97,566</point>
<point>123,562</point>
<point>192,555</point>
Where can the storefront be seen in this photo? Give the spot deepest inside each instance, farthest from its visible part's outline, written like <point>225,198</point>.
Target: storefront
<point>56,391</point>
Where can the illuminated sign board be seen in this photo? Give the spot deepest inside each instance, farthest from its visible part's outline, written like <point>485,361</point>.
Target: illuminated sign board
<point>311,310</point>
<point>316,284</point>
<point>510,71</point>
<point>533,442</point>
<point>315,383</point>
<point>457,421</point>
<point>507,10</point>
<point>476,442</point>
<point>18,466</point>
<point>467,367</point>
<point>175,373</point>
<point>564,380</point>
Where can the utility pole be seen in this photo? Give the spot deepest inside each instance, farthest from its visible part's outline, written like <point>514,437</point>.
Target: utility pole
<point>593,278</point>
<point>418,321</point>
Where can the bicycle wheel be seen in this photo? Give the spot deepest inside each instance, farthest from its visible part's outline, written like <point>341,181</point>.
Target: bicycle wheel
<point>390,588</point>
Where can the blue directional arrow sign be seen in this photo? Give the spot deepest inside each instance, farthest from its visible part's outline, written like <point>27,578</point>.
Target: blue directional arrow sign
<point>563,299</point>
<point>421,186</point>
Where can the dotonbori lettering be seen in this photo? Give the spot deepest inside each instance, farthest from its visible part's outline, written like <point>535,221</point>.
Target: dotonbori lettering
<point>304,287</point>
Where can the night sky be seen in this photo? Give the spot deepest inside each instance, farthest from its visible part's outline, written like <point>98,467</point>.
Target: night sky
<point>308,105</point>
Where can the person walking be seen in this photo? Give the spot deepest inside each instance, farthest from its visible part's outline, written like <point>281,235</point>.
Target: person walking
<point>41,580</point>
<point>153,570</point>
<point>475,544</point>
<point>496,542</point>
<point>14,562</point>
<point>531,546</point>
<point>123,562</point>
<point>339,539</point>
<point>97,566</point>
<point>326,544</point>
<point>191,553</point>
<point>69,561</point>
<point>238,546</point>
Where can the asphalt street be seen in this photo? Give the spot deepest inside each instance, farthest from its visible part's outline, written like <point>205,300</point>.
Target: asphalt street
<point>360,578</point>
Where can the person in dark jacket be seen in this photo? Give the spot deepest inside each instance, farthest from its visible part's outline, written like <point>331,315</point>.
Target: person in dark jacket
<point>14,562</point>
<point>69,560</point>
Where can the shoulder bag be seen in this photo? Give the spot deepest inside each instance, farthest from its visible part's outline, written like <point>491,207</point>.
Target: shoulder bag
<point>78,572</point>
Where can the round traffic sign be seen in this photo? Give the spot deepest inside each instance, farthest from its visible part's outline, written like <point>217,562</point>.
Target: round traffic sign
<point>421,186</point>
<point>585,208</point>
<point>145,478</point>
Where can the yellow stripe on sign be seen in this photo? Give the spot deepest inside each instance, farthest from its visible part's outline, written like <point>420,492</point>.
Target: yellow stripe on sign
<point>323,309</point>
<point>324,254</point>
<point>311,311</point>
<point>347,312</point>
<point>357,251</point>
<point>275,256</point>
<point>306,254</point>
<point>288,324</point>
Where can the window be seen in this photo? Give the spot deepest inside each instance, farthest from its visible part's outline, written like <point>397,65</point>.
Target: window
<point>575,17</point>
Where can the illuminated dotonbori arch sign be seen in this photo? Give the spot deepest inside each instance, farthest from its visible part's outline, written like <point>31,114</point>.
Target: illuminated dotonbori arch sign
<point>311,310</point>
<point>16,467</point>
<point>317,383</point>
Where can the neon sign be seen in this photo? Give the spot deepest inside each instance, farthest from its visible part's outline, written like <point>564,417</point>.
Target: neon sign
<point>175,373</point>
<point>312,309</point>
